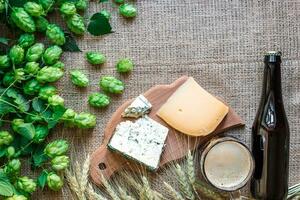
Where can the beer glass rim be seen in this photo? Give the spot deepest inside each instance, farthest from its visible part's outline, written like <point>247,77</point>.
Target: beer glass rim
<point>216,141</point>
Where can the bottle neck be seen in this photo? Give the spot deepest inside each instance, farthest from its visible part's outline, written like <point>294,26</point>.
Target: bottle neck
<point>272,80</point>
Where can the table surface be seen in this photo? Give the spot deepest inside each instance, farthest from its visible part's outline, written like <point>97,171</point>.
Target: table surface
<point>220,43</point>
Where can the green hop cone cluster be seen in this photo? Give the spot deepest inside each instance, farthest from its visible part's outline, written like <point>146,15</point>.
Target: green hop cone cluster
<point>23,20</point>
<point>4,61</point>
<point>19,75</point>
<point>54,182</point>
<point>59,65</point>
<point>124,65</point>
<point>68,9</point>
<point>5,138</point>
<point>127,10</point>
<point>31,68</point>
<point>56,148</point>
<point>16,54</point>
<point>13,168</point>
<point>26,40</point>
<point>41,132</point>
<point>85,120</point>
<point>34,9</point>
<point>60,162</point>
<point>69,117</point>
<point>17,197</point>
<point>98,100</point>
<point>76,24</point>
<point>55,34</point>
<point>49,74</point>
<point>31,87</point>
<point>47,91</point>
<point>41,24</point>
<point>79,79</point>
<point>16,123</point>
<point>56,100</point>
<point>10,152</point>
<point>111,84</point>
<point>35,52</point>
<point>95,58</point>
<point>26,184</point>
<point>52,54</point>
<point>81,4</point>
<point>105,13</point>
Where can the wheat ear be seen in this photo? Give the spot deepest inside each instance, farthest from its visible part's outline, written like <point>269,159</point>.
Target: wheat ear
<point>146,193</point>
<point>84,174</point>
<point>191,174</point>
<point>74,185</point>
<point>184,184</point>
<point>124,195</point>
<point>92,194</point>
<point>176,195</point>
<point>109,188</point>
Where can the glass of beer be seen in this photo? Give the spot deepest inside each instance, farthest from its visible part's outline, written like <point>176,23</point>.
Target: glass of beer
<point>227,164</point>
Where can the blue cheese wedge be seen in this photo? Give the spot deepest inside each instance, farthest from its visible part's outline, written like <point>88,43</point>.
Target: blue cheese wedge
<point>142,141</point>
<point>139,107</point>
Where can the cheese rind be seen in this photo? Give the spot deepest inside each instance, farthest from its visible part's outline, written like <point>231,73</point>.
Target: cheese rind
<point>142,140</point>
<point>192,110</point>
<point>139,107</point>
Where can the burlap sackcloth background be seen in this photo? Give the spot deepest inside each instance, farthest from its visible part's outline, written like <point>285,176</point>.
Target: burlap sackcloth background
<point>220,43</point>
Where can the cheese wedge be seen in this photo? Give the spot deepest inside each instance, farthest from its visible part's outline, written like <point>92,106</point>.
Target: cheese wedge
<point>192,110</point>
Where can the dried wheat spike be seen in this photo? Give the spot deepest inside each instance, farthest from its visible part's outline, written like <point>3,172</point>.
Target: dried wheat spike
<point>124,195</point>
<point>109,188</point>
<point>176,195</point>
<point>184,183</point>
<point>92,194</point>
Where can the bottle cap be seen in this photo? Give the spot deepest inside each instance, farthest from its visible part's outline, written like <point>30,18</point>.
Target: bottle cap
<point>273,56</point>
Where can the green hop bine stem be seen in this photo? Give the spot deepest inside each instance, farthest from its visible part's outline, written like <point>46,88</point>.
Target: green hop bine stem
<point>98,100</point>
<point>111,84</point>
<point>47,91</point>
<point>35,52</point>
<point>85,120</point>
<point>127,10</point>
<point>34,9</point>
<point>31,87</point>
<point>56,100</point>
<point>124,65</point>
<point>76,24</point>
<point>16,54</point>
<point>52,55</point>
<point>41,23</point>
<point>54,181</point>
<point>79,79</point>
<point>68,9</point>
<point>56,148</point>
<point>26,40</point>
<point>60,163</point>
<point>4,62</point>
<point>55,34</point>
<point>23,20</point>
<point>49,74</point>
<point>26,184</point>
<point>5,138</point>
<point>31,68</point>
<point>81,5</point>
<point>95,58</point>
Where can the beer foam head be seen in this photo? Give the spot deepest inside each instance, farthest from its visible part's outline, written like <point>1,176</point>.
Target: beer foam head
<point>228,165</point>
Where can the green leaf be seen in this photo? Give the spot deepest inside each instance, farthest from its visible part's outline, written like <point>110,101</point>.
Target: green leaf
<point>38,105</point>
<point>70,44</point>
<point>58,112</point>
<point>4,41</point>
<point>27,130</point>
<point>6,188</point>
<point>17,3</point>
<point>5,108</point>
<point>39,158</point>
<point>42,179</point>
<point>19,99</point>
<point>99,25</point>
<point>2,151</point>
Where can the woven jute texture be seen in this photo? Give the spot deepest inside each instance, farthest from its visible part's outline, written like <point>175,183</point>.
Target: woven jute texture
<point>220,43</point>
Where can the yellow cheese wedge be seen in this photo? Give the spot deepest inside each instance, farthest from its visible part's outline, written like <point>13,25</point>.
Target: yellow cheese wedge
<point>192,110</point>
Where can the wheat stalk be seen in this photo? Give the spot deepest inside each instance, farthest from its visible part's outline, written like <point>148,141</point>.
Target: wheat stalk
<point>146,193</point>
<point>92,194</point>
<point>85,173</point>
<point>124,195</point>
<point>184,184</point>
<point>176,195</point>
<point>109,188</point>
<point>74,185</point>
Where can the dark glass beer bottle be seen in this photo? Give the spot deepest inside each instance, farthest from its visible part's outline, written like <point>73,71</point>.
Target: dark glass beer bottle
<point>270,136</point>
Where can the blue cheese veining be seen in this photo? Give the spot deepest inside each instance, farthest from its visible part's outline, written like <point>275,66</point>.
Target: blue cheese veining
<point>142,140</point>
<point>139,107</point>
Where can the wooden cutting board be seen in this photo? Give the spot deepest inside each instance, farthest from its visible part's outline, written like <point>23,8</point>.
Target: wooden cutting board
<point>177,144</point>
